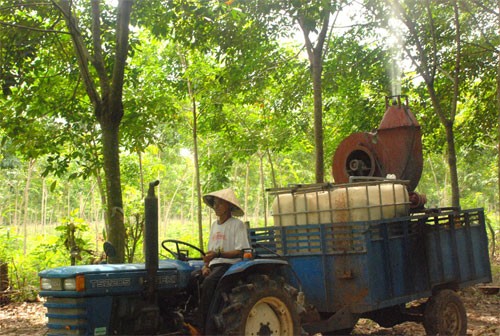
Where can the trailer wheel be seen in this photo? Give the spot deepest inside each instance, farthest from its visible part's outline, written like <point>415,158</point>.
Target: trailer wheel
<point>259,306</point>
<point>445,314</point>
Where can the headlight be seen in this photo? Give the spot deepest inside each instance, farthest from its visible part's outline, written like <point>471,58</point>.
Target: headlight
<point>50,284</point>
<point>70,284</point>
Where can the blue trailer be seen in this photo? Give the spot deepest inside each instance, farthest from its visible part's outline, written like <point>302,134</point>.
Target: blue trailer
<point>374,269</point>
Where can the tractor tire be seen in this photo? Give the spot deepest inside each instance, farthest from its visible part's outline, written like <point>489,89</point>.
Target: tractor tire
<point>445,315</point>
<point>261,305</point>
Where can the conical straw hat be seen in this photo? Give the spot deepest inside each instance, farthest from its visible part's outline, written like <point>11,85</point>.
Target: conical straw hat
<point>226,195</point>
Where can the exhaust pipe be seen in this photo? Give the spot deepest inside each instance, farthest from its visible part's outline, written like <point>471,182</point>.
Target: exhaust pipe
<point>151,239</point>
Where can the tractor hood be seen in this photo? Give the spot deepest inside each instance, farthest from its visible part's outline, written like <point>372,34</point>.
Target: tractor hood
<point>114,279</point>
<point>72,271</point>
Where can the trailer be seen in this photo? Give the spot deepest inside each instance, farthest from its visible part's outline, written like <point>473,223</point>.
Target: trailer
<point>388,270</point>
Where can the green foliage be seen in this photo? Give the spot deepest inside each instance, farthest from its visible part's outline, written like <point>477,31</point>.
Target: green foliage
<point>134,226</point>
<point>23,269</point>
<point>184,231</point>
<point>354,94</point>
<point>10,245</point>
<point>50,253</point>
<point>71,237</point>
<point>24,277</point>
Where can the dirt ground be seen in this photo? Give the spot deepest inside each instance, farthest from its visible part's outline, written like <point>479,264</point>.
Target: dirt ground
<point>483,311</point>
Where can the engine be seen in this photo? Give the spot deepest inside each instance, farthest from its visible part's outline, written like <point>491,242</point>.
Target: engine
<point>395,148</point>
<point>378,153</point>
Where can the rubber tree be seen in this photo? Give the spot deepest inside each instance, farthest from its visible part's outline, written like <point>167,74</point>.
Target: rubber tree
<point>315,54</point>
<point>224,50</point>
<point>316,20</point>
<point>487,21</point>
<point>434,46</point>
<point>105,91</point>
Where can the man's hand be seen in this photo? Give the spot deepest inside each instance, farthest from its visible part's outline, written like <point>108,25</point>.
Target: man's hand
<point>205,271</point>
<point>209,256</point>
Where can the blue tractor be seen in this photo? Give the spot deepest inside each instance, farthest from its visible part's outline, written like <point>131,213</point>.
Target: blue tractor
<point>160,297</point>
<point>367,248</point>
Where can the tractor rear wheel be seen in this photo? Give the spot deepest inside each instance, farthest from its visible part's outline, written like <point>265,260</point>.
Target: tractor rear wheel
<point>259,306</point>
<point>445,315</point>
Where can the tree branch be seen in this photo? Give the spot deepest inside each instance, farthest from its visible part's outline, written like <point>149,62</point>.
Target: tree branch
<point>456,74</point>
<point>3,23</point>
<point>82,54</point>
<point>98,60</point>
<point>122,35</point>
<point>324,30</point>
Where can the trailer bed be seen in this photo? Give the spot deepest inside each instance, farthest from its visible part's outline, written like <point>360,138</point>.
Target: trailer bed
<point>371,265</point>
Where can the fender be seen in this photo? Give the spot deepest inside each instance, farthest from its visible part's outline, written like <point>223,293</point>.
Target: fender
<point>244,265</point>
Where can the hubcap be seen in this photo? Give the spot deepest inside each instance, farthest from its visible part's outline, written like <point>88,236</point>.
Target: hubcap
<point>269,316</point>
<point>451,319</point>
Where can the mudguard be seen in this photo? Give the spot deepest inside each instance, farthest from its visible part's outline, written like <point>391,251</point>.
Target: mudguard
<point>245,265</point>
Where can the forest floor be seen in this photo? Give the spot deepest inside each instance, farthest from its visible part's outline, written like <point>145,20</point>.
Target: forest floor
<point>483,311</point>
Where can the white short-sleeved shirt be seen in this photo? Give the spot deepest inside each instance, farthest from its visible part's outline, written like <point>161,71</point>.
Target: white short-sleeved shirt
<point>228,236</point>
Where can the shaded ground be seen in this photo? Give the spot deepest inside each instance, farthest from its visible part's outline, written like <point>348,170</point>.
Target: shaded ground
<point>23,319</point>
<point>483,311</point>
<point>483,315</point>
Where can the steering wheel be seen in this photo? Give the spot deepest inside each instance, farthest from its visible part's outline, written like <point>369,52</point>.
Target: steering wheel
<point>180,255</point>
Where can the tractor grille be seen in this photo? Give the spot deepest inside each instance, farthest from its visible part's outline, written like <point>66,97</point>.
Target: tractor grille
<point>67,316</point>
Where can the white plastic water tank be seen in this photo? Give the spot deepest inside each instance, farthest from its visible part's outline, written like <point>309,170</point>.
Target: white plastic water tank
<point>345,203</point>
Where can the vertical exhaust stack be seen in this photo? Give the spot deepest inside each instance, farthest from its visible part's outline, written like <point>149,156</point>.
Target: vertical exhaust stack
<point>395,148</point>
<point>151,239</point>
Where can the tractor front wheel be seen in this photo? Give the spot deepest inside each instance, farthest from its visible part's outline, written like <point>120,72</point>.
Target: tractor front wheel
<point>259,306</point>
<point>445,314</point>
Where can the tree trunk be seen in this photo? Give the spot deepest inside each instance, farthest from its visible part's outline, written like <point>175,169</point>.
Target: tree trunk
<point>115,215</point>
<point>247,189</point>
<point>141,174</point>
<point>434,176</point>
<point>427,64</point>
<point>81,205</point>
<point>273,173</point>
<point>194,111</point>
<point>26,197</point>
<point>15,222</point>
<point>94,216</point>
<point>102,196</point>
<point>257,207</point>
<point>315,56</point>
<point>68,199</point>
<point>180,183</point>
<point>197,167</point>
<point>262,186</point>
<point>317,70</point>
<point>43,210</point>
<point>192,214</point>
<point>452,164</point>
<point>450,142</point>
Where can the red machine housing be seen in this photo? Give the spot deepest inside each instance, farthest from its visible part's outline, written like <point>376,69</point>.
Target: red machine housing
<point>395,148</point>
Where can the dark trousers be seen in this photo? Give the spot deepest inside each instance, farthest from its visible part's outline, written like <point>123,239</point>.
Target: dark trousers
<point>208,289</point>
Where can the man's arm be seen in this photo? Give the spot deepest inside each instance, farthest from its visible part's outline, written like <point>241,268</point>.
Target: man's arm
<point>210,255</point>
